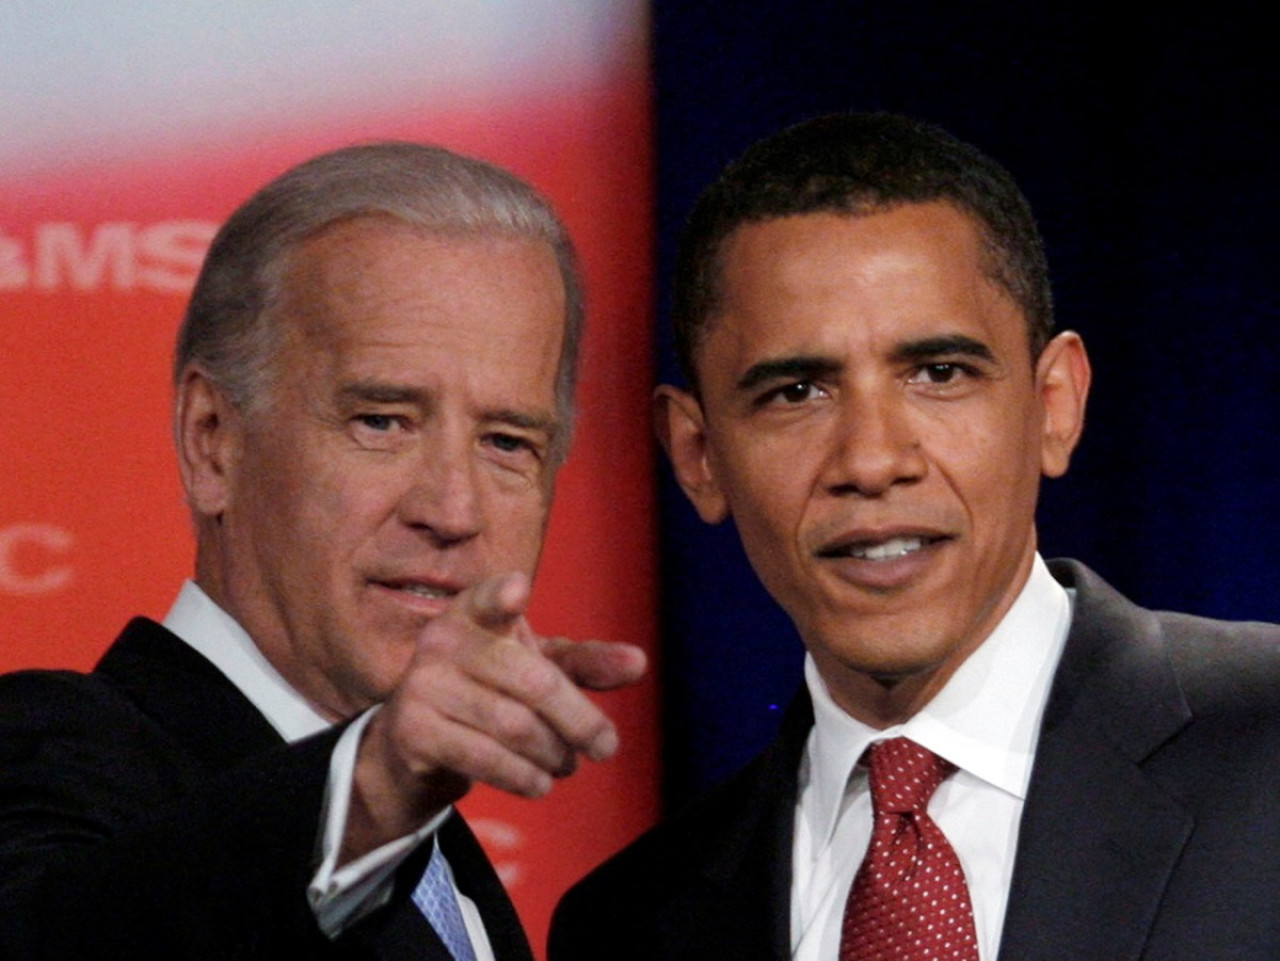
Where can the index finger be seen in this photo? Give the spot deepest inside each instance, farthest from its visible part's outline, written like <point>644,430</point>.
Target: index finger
<point>597,665</point>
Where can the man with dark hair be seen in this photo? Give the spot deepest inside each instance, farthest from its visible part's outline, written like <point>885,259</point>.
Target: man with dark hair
<point>991,756</point>
<point>373,394</point>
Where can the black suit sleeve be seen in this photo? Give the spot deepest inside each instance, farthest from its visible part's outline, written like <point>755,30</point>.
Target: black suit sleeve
<point>116,842</point>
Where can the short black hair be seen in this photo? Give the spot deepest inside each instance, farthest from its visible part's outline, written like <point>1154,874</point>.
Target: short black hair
<point>859,163</point>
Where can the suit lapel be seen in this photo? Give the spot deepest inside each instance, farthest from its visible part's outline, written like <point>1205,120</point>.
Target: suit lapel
<point>1092,864</point>
<point>476,878</point>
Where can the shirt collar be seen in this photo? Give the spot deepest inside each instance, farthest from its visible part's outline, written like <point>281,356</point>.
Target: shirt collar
<point>985,720</point>
<point>215,634</point>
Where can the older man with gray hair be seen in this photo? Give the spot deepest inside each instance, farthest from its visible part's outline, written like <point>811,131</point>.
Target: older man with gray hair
<point>373,395</point>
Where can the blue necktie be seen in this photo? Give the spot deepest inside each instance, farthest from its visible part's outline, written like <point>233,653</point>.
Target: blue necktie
<point>435,898</point>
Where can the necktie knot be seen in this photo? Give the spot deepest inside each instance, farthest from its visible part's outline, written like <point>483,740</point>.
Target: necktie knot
<point>904,775</point>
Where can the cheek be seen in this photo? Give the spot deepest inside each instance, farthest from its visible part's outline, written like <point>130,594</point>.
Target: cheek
<point>332,494</point>
<point>766,477</point>
<point>995,442</point>
<point>998,476</point>
<point>767,500</point>
<point>336,506</point>
<point>1020,460</point>
<point>517,523</point>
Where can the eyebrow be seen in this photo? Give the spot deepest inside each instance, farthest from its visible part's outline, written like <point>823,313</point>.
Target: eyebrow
<point>815,366</point>
<point>803,367</point>
<point>948,345</point>
<point>522,419</point>
<point>378,392</point>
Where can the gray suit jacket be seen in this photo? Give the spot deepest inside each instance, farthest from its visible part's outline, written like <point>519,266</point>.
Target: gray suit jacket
<point>147,810</point>
<point>1151,828</point>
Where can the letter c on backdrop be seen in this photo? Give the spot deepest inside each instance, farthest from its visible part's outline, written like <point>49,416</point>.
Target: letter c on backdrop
<point>39,539</point>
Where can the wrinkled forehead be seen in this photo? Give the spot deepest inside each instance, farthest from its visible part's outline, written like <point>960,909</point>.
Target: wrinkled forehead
<point>380,262</point>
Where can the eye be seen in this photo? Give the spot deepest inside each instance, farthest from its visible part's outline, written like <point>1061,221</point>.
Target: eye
<point>508,443</point>
<point>942,373</point>
<point>380,431</point>
<point>517,447</point>
<point>382,423</point>
<point>794,393</point>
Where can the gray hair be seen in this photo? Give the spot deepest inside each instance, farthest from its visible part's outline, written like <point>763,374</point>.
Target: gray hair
<point>227,330</point>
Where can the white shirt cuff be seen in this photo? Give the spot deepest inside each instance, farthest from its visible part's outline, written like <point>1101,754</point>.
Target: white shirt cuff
<point>341,896</point>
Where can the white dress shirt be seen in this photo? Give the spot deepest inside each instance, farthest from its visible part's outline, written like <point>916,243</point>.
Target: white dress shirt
<point>985,721</point>
<point>339,896</point>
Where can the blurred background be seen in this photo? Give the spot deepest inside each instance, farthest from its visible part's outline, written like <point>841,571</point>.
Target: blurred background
<point>1144,140</point>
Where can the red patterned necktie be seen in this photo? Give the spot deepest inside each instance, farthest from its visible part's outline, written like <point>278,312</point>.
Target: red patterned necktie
<point>909,901</point>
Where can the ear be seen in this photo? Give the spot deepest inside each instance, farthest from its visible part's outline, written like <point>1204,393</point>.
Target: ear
<point>207,432</point>
<point>681,428</point>
<point>1062,381</point>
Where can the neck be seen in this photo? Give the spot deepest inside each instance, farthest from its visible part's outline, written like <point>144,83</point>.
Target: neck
<point>880,701</point>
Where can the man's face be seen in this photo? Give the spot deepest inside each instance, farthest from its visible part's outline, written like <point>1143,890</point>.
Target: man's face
<point>404,451</point>
<point>871,420</point>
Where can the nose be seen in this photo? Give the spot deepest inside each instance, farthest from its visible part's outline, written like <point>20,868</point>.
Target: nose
<point>443,501</point>
<point>873,446</point>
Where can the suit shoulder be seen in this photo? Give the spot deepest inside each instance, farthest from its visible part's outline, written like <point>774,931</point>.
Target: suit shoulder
<point>1224,665</point>
<point>64,699</point>
<point>684,875</point>
<point>58,701</point>
<point>1220,667</point>
<point>78,742</point>
<point>682,839</point>
<point>1242,637</point>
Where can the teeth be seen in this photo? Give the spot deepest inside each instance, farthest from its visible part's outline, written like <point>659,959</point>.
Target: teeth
<point>885,550</point>
<point>425,590</point>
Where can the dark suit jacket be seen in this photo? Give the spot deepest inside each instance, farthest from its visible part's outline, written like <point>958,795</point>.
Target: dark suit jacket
<point>1151,827</point>
<point>148,810</point>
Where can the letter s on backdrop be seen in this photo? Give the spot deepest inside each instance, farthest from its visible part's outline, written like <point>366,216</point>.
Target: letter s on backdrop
<point>170,254</point>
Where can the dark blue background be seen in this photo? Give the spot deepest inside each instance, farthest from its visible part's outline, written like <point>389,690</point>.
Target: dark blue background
<point>1146,143</point>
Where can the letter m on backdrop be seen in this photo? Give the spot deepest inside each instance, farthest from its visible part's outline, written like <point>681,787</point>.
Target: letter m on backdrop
<point>64,258</point>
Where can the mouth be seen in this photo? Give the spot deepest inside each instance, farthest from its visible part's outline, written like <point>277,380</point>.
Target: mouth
<point>878,549</point>
<point>422,595</point>
<point>432,591</point>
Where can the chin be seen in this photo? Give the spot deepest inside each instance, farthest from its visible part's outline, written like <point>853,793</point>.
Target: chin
<point>891,677</point>
<point>888,667</point>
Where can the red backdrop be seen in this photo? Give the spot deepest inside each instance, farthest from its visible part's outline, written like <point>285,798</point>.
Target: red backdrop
<point>97,254</point>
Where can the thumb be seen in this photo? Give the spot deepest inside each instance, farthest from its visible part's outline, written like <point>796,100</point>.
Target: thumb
<point>495,603</point>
